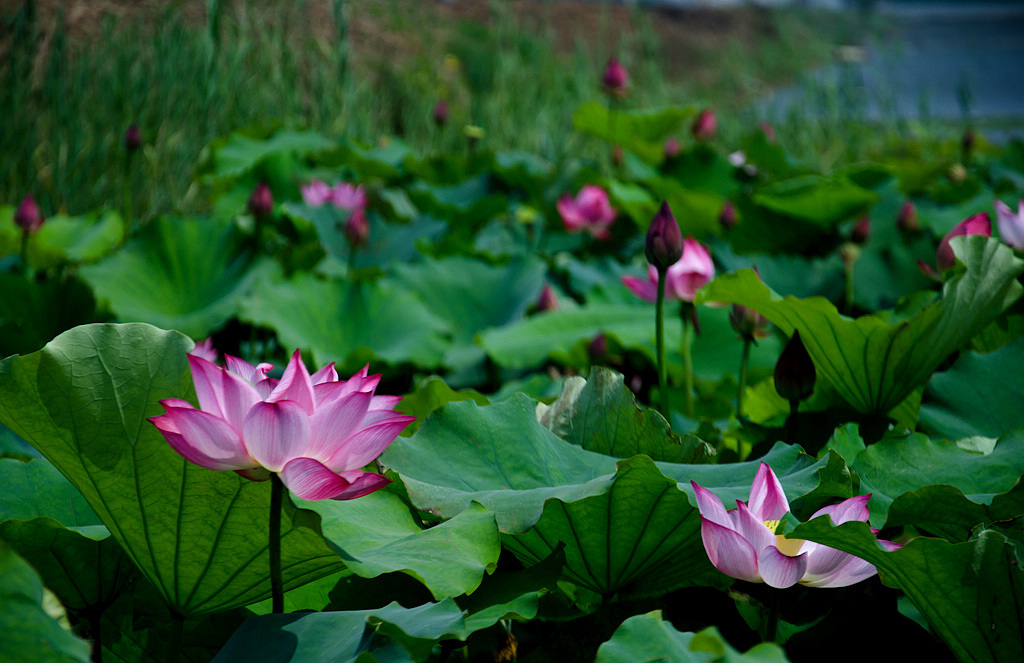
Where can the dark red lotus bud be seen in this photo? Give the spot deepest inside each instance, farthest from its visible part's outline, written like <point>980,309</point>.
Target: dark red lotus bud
<point>357,229</point>
<point>547,300</point>
<point>27,216</point>
<point>132,139</point>
<point>794,373</point>
<point>861,230</point>
<point>907,220</point>
<point>664,244</point>
<point>672,148</point>
<point>967,143</point>
<point>705,125</point>
<point>261,202</point>
<point>615,78</point>
<point>440,113</point>
<point>747,322</point>
<point>769,131</point>
<point>727,217</point>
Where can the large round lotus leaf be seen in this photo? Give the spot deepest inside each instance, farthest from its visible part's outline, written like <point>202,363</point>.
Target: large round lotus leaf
<point>198,535</point>
<point>628,525</point>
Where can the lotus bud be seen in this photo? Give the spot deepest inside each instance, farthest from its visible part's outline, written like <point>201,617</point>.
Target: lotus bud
<point>132,139</point>
<point>727,218</point>
<point>618,156</point>
<point>27,216</point>
<point>769,132</point>
<point>547,300</point>
<point>957,173</point>
<point>597,349</point>
<point>440,113</point>
<point>861,231</point>
<point>967,143</point>
<point>979,224</point>
<point>794,372</point>
<point>747,322</point>
<point>261,202</point>
<point>705,126</point>
<point>907,220</point>
<point>672,148</point>
<point>615,78</point>
<point>849,253</point>
<point>664,244</point>
<point>357,230</point>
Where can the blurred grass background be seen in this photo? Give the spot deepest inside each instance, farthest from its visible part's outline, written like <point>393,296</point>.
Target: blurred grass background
<point>76,74</point>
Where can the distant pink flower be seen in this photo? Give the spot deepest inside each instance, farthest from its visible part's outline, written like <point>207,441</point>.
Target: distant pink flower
<point>682,281</point>
<point>204,350</point>
<point>979,224</point>
<point>615,78</point>
<point>28,217</point>
<point>348,196</point>
<point>743,544</point>
<point>547,300</point>
<point>672,147</point>
<point>590,211</point>
<point>315,431</point>
<point>316,193</point>
<point>261,201</point>
<point>1011,226</point>
<point>440,113</point>
<point>705,126</point>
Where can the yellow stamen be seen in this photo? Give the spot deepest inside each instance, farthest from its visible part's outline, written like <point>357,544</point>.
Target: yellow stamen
<point>788,547</point>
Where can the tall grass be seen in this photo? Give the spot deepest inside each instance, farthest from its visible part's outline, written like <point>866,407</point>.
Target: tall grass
<point>65,111</point>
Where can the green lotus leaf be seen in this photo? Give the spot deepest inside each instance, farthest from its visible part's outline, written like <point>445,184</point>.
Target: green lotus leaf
<point>819,200</point>
<point>649,638</point>
<point>30,634</point>
<point>969,593</point>
<point>874,364</point>
<point>32,313</point>
<point>640,131</point>
<point>376,534</point>
<point>183,274</point>
<point>196,534</point>
<point>239,154</point>
<point>979,395</point>
<point>349,323</point>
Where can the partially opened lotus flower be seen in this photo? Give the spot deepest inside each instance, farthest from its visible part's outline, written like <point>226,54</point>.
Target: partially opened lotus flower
<point>682,281</point>
<point>978,224</point>
<point>589,212</point>
<point>315,431</point>
<point>743,544</point>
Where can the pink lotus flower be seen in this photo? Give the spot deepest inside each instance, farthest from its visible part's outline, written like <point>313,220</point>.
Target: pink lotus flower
<point>315,431</point>
<point>590,212</point>
<point>1011,226</point>
<point>204,350</point>
<point>682,281</point>
<point>743,543</point>
<point>979,224</point>
<point>343,195</point>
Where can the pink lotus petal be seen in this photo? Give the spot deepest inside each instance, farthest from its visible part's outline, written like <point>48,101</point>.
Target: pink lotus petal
<point>255,474</point>
<point>276,433</point>
<point>644,289</point>
<point>326,374</point>
<point>779,570</point>
<point>851,571</point>
<point>348,196</point>
<point>311,480</point>
<point>295,385</point>
<point>729,552</point>
<point>203,438</point>
<point>711,507</point>
<point>1011,226</point>
<point>367,443</point>
<point>333,423</point>
<point>751,528</point>
<point>316,193</point>
<point>767,499</point>
<point>572,218</point>
<point>822,561</point>
<point>221,392</point>
<point>854,508</point>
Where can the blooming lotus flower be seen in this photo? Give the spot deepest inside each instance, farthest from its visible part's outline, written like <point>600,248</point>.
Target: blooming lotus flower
<point>316,193</point>
<point>979,224</point>
<point>682,281</point>
<point>204,350</point>
<point>590,211</point>
<point>1011,226</point>
<point>315,431</point>
<point>743,544</point>
<point>349,197</point>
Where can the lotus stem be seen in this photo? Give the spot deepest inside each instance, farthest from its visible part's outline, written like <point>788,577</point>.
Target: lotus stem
<point>659,326</point>
<point>126,197</point>
<point>24,251</point>
<point>174,643</point>
<point>687,362</point>
<point>771,625</point>
<point>848,291</point>
<point>276,584</point>
<point>744,364</point>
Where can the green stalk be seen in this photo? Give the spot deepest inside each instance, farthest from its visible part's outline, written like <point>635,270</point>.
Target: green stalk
<point>126,195</point>
<point>848,290</point>
<point>24,251</point>
<point>771,626</point>
<point>659,327</point>
<point>276,584</point>
<point>744,363</point>
<point>688,363</point>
